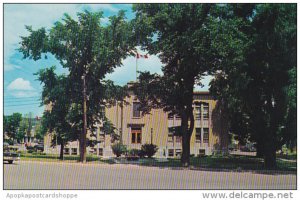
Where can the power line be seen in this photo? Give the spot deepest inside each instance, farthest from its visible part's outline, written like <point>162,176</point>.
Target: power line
<point>21,105</point>
<point>20,100</point>
<point>21,97</point>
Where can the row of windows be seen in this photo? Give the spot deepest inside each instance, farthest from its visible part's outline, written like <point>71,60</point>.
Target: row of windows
<point>136,112</point>
<point>136,136</point>
<point>178,139</point>
<point>73,151</point>
<point>172,152</point>
<point>198,136</point>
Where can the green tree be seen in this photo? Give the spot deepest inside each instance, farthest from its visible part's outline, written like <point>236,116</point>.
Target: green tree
<point>12,125</point>
<point>89,51</point>
<point>22,132</point>
<point>184,37</point>
<point>256,85</point>
<point>289,129</point>
<point>56,89</point>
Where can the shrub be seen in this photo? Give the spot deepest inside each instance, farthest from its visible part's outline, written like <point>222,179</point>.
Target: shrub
<point>30,151</point>
<point>133,152</point>
<point>30,148</point>
<point>149,150</point>
<point>118,149</point>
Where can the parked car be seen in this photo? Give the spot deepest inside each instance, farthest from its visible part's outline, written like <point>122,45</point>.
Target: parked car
<point>39,147</point>
<point>245,149</point>
<point>9,155</point>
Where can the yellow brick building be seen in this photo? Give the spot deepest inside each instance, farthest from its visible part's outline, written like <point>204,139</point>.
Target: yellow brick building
<point>158,127</point>
<point>210,131</point>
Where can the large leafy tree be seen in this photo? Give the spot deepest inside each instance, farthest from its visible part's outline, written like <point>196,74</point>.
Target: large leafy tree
<point>88,50</point>
<point>184,37</point>
<point>255,88</point>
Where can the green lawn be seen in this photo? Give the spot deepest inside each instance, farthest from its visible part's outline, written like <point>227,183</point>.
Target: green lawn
<point>225,163</point>
<point>232,162</point>
<point>55,157</point>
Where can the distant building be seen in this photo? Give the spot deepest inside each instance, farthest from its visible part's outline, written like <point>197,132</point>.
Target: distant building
<point>160,128</point>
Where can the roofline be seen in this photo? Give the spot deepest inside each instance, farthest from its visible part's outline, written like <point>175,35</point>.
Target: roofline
<point>201,92</point>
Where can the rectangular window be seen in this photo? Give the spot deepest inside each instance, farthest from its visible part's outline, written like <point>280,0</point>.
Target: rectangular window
<point>138,138</point>
<point>205,112</point>
<point>93,151</point>
<point>178,153</point>
<point>66,151</point>
<point>136,109</point>
<point>205,135</point>
<point>170,116</point>
<point>198,112</point>
<point>171,153</point>
<point>170,137</point>
<point>201,152</point>
<point>136,135</point>
<point>198,135</point>
<point>177,117</point>
<point>74,151</point>
<point>100,152</point>
<point>133,139</point>
<point>178,139</point>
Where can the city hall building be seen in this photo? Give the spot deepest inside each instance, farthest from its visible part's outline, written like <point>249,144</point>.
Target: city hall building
<point>210,132</point>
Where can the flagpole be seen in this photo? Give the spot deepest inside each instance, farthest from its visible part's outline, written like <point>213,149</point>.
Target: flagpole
<point>136,66</point>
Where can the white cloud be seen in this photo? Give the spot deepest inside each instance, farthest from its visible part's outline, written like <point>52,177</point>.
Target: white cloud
<point>16,16</point>
<point>20,84</point>
<point>122,75</point>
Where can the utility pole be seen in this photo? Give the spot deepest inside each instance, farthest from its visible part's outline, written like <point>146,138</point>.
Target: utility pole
<point>121,131</point>
<point>83,136</point>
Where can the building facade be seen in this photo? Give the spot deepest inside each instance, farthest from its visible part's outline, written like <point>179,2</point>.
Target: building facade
<point>158,127</point>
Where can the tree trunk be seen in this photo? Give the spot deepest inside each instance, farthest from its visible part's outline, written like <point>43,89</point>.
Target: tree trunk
<point>185,157</point>
<point>186,135</point>
<point>83,135</point>
<point>82,148</point>
<point>270,147</point>
<point>270,155</point>
<point>270,138</point>
<point>259,149</point>
<point>61,154</point>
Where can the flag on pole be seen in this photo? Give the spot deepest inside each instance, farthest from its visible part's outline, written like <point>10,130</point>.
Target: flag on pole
<point>138,56</point>
<point>141,56</point>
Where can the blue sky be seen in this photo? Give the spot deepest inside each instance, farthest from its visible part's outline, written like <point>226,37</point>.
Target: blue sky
<point>21,89</point>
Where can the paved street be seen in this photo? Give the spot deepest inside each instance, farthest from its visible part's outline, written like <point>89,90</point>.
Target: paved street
<point>38,175</point>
